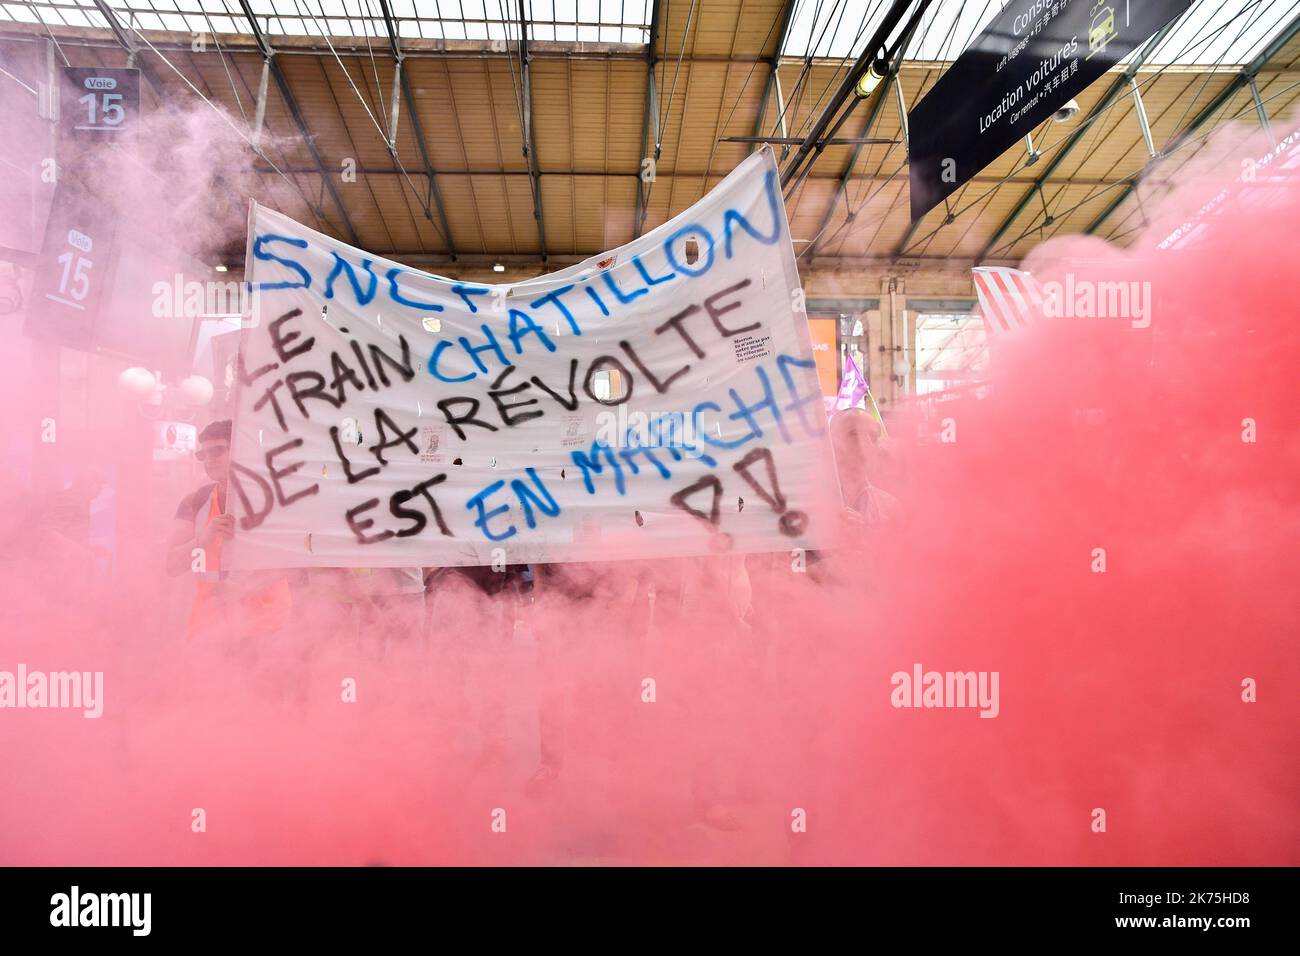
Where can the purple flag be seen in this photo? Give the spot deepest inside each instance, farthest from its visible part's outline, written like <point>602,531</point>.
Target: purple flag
<point>853,385</point>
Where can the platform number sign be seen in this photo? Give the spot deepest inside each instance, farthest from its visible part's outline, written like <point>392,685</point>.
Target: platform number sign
<point>99,101</point>
<point>73,269</point>
<point>76,264</point>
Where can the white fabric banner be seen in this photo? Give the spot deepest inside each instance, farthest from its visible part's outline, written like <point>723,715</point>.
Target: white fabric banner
<point>658,400</point>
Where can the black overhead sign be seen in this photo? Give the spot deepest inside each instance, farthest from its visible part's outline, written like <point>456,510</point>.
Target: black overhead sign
<point>73,268</point>
<point>99,101</point>
<point>1029,61</point>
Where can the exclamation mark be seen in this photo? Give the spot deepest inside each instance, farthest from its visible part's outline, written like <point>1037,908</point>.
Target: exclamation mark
<point>791,523</point>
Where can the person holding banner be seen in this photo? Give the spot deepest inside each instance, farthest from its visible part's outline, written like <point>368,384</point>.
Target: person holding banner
<point>856,438</point>
<point>573,603</point>
<point>707,637</point>
<point>393,608</point>
<point>258,602</point>
<point>470,630</point>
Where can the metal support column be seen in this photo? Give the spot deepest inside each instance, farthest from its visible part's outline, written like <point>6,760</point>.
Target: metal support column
<point>1140,110</point>
<point>530,137</point>
<point>434,196</point>
<point>327,177</point>
<point>649,128</point>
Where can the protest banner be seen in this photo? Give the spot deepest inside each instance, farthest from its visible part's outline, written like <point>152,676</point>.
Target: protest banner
<point>657,400</point>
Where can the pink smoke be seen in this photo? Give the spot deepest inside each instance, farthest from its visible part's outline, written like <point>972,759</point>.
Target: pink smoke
<point>1119,690</point>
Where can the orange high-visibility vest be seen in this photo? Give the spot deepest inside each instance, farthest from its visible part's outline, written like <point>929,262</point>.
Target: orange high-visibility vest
<point>261,611</point>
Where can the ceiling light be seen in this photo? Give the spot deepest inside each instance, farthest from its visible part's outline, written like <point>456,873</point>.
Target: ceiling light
<point>498,267</point>
<point>869,80</point>
<point>220,267</point>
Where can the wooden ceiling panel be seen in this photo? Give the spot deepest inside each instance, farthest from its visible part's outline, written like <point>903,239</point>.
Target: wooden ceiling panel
<point>522,225</point>
<point>431,90</point>
<point>758,31</point>
<point>619,211</point>
<point>603,207</point>
<point>625,115</point>
<point>718,24</point>
<point>474,97</point>
<point>588,115</point>
<point>460,199</point>
<point>876,228</point>
<point>558,210</point>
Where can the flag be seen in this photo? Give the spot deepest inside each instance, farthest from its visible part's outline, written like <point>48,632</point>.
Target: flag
<point>853,385</point>
<point>1008,298</point>
<point>853,388</point>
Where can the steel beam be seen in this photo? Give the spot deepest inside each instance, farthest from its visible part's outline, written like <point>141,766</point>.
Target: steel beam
<point>168,41</point>
<point>773,80</point>
<point>530,139</point>
<point>434,197</point>
<point>133,53</point>
<point>683,173</point>
<point>872,114</point>
<point>812,144</point>
<point>843,183</point>
<point>651,116</point>
<point>1260,111</point>
<point>1242,78</point>
<point>1110,96</point>
<point>1140,110</point>
<point>327,178</point>
<point>796,140</point>
<point>1199,120</point>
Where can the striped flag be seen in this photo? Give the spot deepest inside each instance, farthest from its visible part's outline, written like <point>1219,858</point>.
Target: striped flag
<point>1008,298</point>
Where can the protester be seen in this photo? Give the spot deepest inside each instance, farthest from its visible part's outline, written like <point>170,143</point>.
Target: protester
<point>472,612</point>
<point>392,612</point>
<point>856,437</point>
<point>47,536</point>
<point>706,641</point>
<point>247,605</point>
<point>781,577</point>
<point>573,607</point>
<point>68,514</point>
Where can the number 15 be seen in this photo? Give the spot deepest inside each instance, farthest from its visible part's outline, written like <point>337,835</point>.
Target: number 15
<point>79,274</point>
<point>112,111</point>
